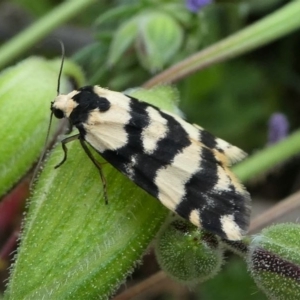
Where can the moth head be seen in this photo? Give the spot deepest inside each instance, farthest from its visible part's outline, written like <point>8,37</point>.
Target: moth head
<point>63,105</point>
<point>58,113</point>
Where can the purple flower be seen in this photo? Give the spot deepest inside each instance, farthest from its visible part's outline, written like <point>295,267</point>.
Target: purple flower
<point>278,128</point>
<point>195,5</point>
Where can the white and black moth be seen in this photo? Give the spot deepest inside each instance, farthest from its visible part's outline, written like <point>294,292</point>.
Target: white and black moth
<point>182,165</point>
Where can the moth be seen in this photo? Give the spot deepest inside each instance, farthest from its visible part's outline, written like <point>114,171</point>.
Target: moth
<point>182,165</point>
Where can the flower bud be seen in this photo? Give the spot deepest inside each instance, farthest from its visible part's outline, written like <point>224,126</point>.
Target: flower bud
<point>274,261</point>
<point>188,254</point>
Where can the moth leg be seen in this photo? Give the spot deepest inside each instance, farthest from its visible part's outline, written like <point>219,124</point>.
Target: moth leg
<point>65,149</point>
<point>98,166</point>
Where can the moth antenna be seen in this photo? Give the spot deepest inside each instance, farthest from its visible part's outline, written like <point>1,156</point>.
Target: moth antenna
<point>51,116</point>
<point>61,65</point>
<point>43,153</point>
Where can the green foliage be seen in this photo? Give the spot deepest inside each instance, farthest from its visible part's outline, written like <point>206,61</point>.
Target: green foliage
<point>151,35</point>
<point>26,92</point>
<point>159,39</point>
<point>70,236</point>
<point>225,89</point>
<point>261,6</point>
<point>37,8</point>
<point>39,29</point>
<point>123,39</point>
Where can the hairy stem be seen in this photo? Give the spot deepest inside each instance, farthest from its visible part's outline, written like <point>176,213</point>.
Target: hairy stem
<point>267,158</point>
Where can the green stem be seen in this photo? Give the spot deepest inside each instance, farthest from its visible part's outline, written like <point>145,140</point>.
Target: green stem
<point>272,27</point>
<point>39,29</point>
<point>262,161</point>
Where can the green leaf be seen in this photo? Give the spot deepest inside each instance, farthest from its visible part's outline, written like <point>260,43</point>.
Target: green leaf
<point>178,11</point>
<point>160,37</point>
<point>166,94</point>
<point>73,245</point>
<point>117,13</point>
<point>26,91</point>
<point>122,40</point>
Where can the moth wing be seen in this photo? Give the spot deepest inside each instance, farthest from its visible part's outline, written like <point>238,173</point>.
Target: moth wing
<point>201,189</point>
<point>169,159</point>
<point>197,133</point>
<point>233,153</point>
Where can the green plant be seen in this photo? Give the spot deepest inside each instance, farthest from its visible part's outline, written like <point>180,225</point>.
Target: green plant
<point>71,239</point>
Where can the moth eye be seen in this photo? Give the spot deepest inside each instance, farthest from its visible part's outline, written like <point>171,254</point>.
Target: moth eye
<point>58,113</point>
